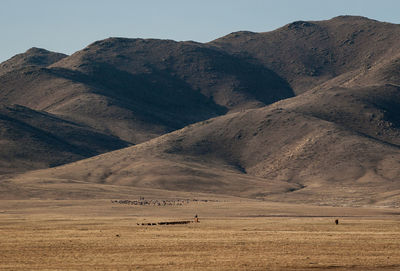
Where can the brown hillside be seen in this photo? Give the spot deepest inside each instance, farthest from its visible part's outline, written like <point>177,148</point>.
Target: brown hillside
<point>309,53</point>
<point>289,151</point>
<point>32,139</point>
<point>229,81</point>
<point>80,98</point>
<point>33,57</point>
<point>335,143</point>
<point>138,89</point>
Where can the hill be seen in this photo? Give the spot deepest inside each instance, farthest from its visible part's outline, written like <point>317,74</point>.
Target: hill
<point>308,54</point>
<point>138,89</point>
<point>298,150</point>
<point>32,57</point>
<point>79,98</point>
<point>228,81</point>
<point>32,139</point>
<point>308,113</point>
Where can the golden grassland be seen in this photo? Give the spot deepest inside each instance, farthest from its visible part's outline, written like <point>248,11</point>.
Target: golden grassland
<point>67,237</point>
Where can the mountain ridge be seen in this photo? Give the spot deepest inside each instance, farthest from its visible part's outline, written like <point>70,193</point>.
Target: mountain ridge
<point>309,53</point>
<point>307,113</point>
<point>32,57</point>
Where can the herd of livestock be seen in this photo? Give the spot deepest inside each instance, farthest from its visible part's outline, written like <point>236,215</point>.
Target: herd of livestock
<point>160,202</point>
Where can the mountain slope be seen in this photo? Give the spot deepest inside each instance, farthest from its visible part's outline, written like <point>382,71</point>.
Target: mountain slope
<point>288,151</point>
<point>32,57</point>
<point>230,82</point>
<point>139,89</point>
<point>30,139</point>
<point>308,54</point>
<point>244,131</point>
<point>80,98</point>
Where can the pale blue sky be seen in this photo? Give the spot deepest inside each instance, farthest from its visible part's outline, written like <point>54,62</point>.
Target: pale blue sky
<point>69,25</point>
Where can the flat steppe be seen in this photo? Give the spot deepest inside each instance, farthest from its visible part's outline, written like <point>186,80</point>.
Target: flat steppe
<point>233,234</point>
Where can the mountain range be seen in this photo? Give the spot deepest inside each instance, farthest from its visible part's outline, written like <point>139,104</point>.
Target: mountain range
<point>307,113</point>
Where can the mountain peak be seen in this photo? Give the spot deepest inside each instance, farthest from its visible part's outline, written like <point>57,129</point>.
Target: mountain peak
<point>32,57</point>
<point>352,17</point>
<point>300,24</point>
<point>37,50</point>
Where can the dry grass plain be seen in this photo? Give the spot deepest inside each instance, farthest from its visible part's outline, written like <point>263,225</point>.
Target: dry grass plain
<point>233,234</point>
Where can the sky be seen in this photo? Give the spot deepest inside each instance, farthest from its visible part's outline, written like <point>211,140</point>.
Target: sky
<point>68,26</point>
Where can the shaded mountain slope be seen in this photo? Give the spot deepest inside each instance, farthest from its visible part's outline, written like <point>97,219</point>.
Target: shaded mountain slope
<point>139,89</point>
<point>286,152</point>
<point>229,81</point>
<point>308,54</point>
<point>32,57</point>
<point>105,106</point>
<point>32,139</point>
